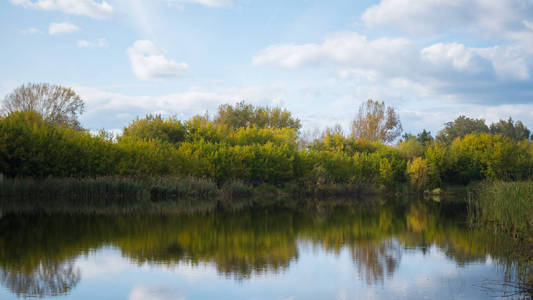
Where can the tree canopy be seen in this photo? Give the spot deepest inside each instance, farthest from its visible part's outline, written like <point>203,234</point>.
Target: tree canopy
<point>424,137</point>
<point>57,104</point>
<point>515,130</point>
<point>155,127</point>
<point>248,115</point>
<point>154,146</point>
<point>460,127</point>
<point>463,126</point>
<point>376,122</point>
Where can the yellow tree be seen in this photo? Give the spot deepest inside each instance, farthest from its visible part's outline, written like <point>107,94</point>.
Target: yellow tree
<point>376,122</point>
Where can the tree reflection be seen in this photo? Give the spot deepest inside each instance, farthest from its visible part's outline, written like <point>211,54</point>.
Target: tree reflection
<point>36,252</point>
<point>47,279</point>
<point>376,260</point>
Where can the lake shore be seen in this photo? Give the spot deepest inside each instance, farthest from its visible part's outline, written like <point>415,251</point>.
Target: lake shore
<point>167,195</point>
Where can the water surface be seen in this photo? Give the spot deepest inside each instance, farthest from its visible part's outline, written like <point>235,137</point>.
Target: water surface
<point>358,250</point>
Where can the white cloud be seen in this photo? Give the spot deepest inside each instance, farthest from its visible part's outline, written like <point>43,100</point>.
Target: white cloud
<point>30,31</point>
<point>84,44</point>
<point>100,43</point>
<point>104,263</point>
<point>62,28</point>
<point>453,56</point>
<point>211,3</point>
<point>528,24</point>
<point>509,63</point>
<point>428,16</point>
<point>147,62</point>
<point>140,292</point>
<point>115,110</point>
<point>345,48</point>
<point>440,70</point>
<point>91,8</point>
<point>505,62</point>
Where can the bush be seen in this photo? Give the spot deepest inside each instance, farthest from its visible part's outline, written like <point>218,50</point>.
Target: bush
<point>418,173</point>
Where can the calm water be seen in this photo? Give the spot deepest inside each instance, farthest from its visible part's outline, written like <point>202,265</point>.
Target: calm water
<point>375,250</point>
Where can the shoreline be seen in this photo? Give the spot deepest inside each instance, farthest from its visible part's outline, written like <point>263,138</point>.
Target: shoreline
<point>138,194</point>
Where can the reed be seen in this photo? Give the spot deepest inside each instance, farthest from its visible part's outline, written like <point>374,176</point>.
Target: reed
<point>101,191</point>
<point>122,194</point>
<point>506,206</point>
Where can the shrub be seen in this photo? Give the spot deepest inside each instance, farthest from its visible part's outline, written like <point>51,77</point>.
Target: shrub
<point>418,173</point>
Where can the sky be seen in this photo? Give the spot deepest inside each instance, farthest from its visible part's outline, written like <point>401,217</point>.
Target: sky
<point>432,60</point>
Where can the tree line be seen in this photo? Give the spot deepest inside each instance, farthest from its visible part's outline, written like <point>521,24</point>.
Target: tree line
<point>40,136</point>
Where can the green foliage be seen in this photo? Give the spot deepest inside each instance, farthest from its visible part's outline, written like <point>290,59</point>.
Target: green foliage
<point>487,156</point>
<point>506,206</point>
<point>199,148</point>
<point>411,148</point>
<point>477,157</point>
<point>58,105</point>
<point>247,115</point>
<point>425,137</point>
<point>510,129</point>
<point>155,127</point>
<point>29,146</point>
<point>460,128</point>
<point>418,172</point>
<point>437,157</point>
<point>386,173</point>
<point>335,141</point>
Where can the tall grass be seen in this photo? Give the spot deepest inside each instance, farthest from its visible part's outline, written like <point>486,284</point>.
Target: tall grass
<point>507,209</point>
<point>93,194</point>
<point>122,194</point>
<point>506,206</point>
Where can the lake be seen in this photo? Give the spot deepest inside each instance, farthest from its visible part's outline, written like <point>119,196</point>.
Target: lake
<point>375,249</point>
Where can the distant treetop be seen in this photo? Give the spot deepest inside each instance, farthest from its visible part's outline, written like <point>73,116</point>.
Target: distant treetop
<point>376,122</point>
<point>56,104</point>
<point>248,115</point>
<point>515,130</point>
<point>463,126</point>
<point>155,127</point>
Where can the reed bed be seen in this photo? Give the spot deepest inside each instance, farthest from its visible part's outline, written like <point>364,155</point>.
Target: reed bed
<point>119,194</point>
<point>506,206</point>
<point>102,191</point>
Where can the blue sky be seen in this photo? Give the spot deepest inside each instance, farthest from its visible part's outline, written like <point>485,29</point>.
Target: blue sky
<point>432,60</point>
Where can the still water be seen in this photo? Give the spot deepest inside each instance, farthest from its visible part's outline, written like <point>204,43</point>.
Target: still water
<point>356,250</point>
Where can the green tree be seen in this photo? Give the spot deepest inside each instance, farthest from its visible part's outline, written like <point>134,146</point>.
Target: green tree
<point>407,136</point>
<point>156,128</point>
<point>460,128</point>
<point>424,137</point>
<point>515,130</point>
<point>488,156</point>
<point>418,172</point>
<point>411,148</point>
<point>57,104</point>
<point>376,122</point>
<point>247,115</point>
<point>438,160</point>
<point>386,172</point>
